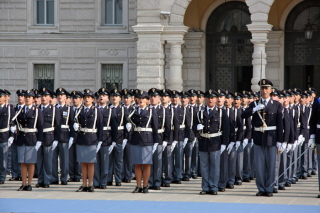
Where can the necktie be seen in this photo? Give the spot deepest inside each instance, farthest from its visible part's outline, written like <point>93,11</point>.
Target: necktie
<point>140,111</point>
<point>1,108</point>
<point>86,111</point>
<point>19,107</point>
<point>209,111</point>
<point>27,110</point>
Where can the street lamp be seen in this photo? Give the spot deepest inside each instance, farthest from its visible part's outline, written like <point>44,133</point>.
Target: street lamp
<point>308,30</point>
<point>224,36</point>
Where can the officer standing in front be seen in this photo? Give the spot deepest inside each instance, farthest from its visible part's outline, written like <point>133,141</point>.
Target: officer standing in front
<point>268,132</point>
<point>213,124</point>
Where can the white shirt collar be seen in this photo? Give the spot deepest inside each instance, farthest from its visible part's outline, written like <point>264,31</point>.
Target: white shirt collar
<point>29,106</point>
<point>87,107</point>
<point>3,105</point>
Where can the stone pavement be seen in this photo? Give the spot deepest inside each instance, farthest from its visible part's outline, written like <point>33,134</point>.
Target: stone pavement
<point>302,193</point>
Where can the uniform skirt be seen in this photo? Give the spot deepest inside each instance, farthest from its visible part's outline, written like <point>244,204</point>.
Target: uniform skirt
<point>27,154</point>
<point>86,153</point>
<point>141,154</point>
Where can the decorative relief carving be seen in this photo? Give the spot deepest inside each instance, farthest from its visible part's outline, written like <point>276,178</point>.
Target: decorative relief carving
<point>112,52</point>
<point>43,52</point>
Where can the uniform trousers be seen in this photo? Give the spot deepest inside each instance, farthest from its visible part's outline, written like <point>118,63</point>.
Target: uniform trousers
<point>239,164</point>
<point>310,160</point>
<point>44,164</point>
<point>281,165</point>
<point>252,175</point>
<point>195,159</point>
<point>156,168</point>
<point>177,160</point>
<point>167,163</point>
<point>247,161</point>
<point>15,166</point>
<point>303,169</point>
<point>101,167</point>
<point>9,160</point>
<point>265,158</point>
<point>127,165</point>
<point>187,151</point>
<point>62,152</point>
<point>115,163</point>
<point>74,166</point>
<point>318,159</point>
<point>224,167</point>
<point>289,162</point>
<point>232,158</point>
<point>315,162</point>
<point>296,165</point>
<point>210,170</point>
<point>3,160</point>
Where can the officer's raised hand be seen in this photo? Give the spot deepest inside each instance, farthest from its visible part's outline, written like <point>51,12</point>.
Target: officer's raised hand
<point>258,108</point>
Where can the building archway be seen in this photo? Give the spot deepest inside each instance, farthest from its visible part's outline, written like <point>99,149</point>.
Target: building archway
<point>302,57</point>
<point>229,66</point>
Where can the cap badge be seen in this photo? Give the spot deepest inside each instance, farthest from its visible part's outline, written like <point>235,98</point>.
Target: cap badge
<point>60,89</point>
<point>263,81</point>
<point>218,91</point>
<point>74,92</point>
<point>103,89</point>
<point>210,91</point>
<point>153,89</point>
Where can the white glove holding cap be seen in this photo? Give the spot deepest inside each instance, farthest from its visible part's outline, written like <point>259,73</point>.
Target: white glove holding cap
<point>258,107</point>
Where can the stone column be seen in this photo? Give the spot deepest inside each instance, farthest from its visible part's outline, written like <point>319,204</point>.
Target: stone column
<point>259,28</point>
<point>150,55</point>
<point>175,79</point>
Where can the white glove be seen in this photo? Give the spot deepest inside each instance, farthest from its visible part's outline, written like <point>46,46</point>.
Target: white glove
<point>164,145</point>
<point>13,129</point>
<point>258,107</point>
<point>111,147</point>
<point>54,145</point>
<point>200,127</point>
<point>279,146</point>
<point>294,145</point>
<point>238,143</point>
<point>245,142</point>
<point>10,141</point>
<point>185,143</point>
<point>76,126</point>
<point>223,147</point>
<point>300,140</point>
<point>124,143</point>
<point>230,147</point>
<point>154,147</point>
<point>128,126</point>
<point>252,143</point>
<point>289,147</point>
<point>283,146</point>
<point>98,146</point>
<point>38,144</point>
<point>312,143</point>
<point>70,142</point>
<point>194,142</point>
<point>174,143</point>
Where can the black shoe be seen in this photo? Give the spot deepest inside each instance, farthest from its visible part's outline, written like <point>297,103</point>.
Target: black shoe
<point>203,192</point>
<point>71,180</point>
<point>82,189</point>
<point>96,187</point>
<point>1,181</point>
<point>309,175</point>
<point>46,186</point>
<point>165,185</point>
<point>118,184</point>
<point>134,178</point>
<point>230,186</point>
<point>64,183</point>
<point>247,180</point>
<point>150,187</point>
<point>76,180</point>
<point>222,189</point>
<point>38,185</point>
<point>304,177</point>
<point>22,187</point>
<point>145,190</point>
<point>238,183</point>
<point>251,178</point>
<point>126,181</point>
<point>318,196</point>
<point>269,194</point>
<point>313,173</point>
<point>28,188</point>
<point>214,192</point>
<point>35,176</point>
<point>287,184</point>
<point>103,187</point>
<point>194,177</point>
<point>137,190</point>
<point>294,181</point>
<point>156,188</point>
<point>260,193</point>
<point>275,190</point>
<point>177,181</point>
<point>281,188</point>
<point>55,183</point>
<point>109,183</point>
<point>90,189</point>
<point>15,179</point>
<point>185,179</point>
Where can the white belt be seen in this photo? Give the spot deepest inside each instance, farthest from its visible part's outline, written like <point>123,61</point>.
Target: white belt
<point>182,126</point>
<point>107,128</point>
<point>4,130</point>
<point>64,126</point>
<point>48,129</point>
<point>141,129</point>
<point>85,130</point>
<point>120,128</point>
<point>318,126</point>
<point>207,135</point>
<point>160,130</point>
<point>267,128</point>
<point>27,130</point>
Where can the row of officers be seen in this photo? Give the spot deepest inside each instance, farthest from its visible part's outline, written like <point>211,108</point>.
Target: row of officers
<point>162,136</point>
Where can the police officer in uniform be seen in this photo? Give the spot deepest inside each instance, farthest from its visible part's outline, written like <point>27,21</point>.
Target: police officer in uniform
<point>267,125</point>
<point>213,126</point>
<point>51,134</point>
